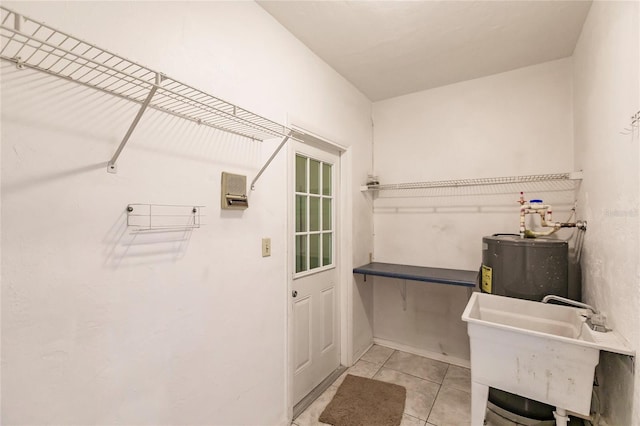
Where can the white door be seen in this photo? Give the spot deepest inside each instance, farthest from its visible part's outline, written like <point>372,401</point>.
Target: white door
<point>314,297</point>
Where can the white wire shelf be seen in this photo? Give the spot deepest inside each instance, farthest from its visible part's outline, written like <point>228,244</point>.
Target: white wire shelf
<point>163,217</point>
<point>461,183</point>
<point>32,44</point>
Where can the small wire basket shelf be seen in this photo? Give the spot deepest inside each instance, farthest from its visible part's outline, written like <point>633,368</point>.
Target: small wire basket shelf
<point>167,217</point>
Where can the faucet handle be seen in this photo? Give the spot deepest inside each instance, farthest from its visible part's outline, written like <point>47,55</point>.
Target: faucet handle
<point>597,322</point>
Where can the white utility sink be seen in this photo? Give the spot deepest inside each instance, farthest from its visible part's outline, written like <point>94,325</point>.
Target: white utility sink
<point>540,351</point>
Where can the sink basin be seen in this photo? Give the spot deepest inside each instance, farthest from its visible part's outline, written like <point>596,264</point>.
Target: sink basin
<point>540,351</point>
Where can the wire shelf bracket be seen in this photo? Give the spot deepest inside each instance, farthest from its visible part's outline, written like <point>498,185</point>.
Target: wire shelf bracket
<point>282,144</point>
<point>35,45</point>
<point>111,166</point>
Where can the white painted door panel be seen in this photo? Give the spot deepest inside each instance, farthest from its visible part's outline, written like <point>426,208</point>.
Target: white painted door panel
<point>302,332</point>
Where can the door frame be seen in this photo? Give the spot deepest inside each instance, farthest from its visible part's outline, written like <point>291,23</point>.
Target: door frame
<point>343,247</point>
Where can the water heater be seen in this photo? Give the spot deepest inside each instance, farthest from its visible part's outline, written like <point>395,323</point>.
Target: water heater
<point>524,268</point>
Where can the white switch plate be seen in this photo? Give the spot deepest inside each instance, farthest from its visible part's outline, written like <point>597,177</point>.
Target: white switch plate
<point>266,247</point>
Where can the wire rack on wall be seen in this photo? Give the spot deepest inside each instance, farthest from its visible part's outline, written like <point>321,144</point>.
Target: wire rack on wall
<point>163,217</point>
<point>554,181</point>
<point>32,44</point>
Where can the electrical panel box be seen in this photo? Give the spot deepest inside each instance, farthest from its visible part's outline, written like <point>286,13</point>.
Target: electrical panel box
<point>234,192</point>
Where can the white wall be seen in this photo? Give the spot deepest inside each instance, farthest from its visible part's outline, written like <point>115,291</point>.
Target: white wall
<point>103,326</point>
<point>606,93</point>
<point>514,123</point>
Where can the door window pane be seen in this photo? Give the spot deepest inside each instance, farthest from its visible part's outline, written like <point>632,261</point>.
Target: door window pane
<point>326,179</point>
<point>326,214</point>
<point>301,174</point>
<point>314,214</point>
<point>327,249</point>
<point>314,251</point>
<point>301,213</point>
<point>301,253</point>
<point>314,177</point>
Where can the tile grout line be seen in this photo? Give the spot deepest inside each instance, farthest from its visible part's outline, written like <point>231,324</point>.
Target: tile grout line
<point>454,387</point>
<point>418,377</point>
<point>377,370</point>
<point>412,375</point>
<point>437,393</point>
<point>381,365</point>
<point>433,405</point>
<point>404,413</point>
<point>390,355</point>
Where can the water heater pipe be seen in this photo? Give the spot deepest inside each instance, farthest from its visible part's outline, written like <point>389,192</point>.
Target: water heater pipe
<point>545,213</point>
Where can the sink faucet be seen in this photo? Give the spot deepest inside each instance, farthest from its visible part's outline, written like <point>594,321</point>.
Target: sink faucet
<point>569,302</point>
<point>595,320</point>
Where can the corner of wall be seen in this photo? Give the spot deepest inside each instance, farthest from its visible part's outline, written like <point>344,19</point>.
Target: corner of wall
<point>606,91</point>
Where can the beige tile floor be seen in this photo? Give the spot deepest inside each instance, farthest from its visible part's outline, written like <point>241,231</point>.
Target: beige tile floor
<point>438,394</point>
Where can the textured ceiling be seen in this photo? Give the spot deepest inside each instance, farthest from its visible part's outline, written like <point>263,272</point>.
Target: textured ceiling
<point>391,48</point>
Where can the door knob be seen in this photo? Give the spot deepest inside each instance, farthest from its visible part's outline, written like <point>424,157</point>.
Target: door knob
<point>294,293</point>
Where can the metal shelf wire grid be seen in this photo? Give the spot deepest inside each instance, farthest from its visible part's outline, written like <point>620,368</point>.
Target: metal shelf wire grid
<point>35,45</point>
<point>476,182</point>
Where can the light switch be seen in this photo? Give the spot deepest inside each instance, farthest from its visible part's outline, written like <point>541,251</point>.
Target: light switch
<point>266,247</point>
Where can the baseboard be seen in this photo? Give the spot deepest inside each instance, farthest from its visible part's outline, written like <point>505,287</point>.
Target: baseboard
<point>356,357</point>
<point>423,352</point>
